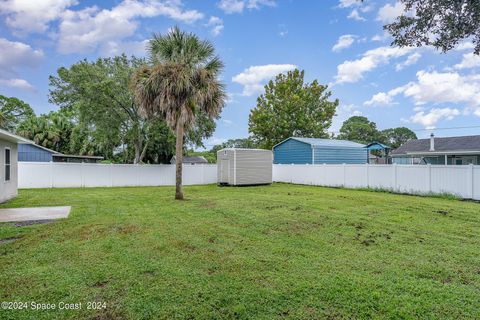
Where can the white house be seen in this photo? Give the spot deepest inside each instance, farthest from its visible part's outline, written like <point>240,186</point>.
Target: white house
<point>9,164</point>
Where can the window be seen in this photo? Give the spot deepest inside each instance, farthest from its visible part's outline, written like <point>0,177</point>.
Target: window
<point>7,164</point>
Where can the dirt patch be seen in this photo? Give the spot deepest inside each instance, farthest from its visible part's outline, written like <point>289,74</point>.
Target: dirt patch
<point>100,284</point>
<point>32,222</point>
<point>8,240</point>
<point>371,238</point>
<point>442,212</point>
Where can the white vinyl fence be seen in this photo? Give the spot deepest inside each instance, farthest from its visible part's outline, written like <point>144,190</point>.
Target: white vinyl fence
<point>69,175</point>
<point>462,181</point>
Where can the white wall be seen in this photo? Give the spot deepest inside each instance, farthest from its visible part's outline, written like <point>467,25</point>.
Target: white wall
<point>463,181</point>
<point>8,189</point>
<point>69,175</point>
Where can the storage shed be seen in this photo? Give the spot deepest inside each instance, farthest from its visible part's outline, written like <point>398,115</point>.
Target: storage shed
<point>319,151</point>
<point>244,166</point>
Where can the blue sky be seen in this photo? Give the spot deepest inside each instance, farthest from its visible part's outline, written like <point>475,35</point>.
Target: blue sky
<point>340,43</point>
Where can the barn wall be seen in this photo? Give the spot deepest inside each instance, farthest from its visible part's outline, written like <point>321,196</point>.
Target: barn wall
<point>292,152</point>
<point>339,155</point>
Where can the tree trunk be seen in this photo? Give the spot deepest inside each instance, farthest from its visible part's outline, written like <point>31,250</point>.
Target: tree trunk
<point>179,161</point>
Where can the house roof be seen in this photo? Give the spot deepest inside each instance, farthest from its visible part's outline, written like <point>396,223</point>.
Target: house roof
<point>30,142</point>
<point>450,144</point>
<point>315,142</point>
<point>193,159</point>
<point>10,137</point>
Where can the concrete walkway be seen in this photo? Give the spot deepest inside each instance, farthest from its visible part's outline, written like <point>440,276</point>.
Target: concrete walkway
<point>28,214</point>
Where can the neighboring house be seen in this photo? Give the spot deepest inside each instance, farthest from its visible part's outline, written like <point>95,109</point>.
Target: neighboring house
<point>318,151</point>
<point>31,152</point>
<point>451,151</point>
<point>381,153</point>
<point>8,165</point>
<point>191,160</point>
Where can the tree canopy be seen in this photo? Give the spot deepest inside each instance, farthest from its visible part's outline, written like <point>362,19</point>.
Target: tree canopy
<point>291,107</point>
<point>360,129</point>
<point>12,112</point>
<point>439,23</point>
<point>106,119</point>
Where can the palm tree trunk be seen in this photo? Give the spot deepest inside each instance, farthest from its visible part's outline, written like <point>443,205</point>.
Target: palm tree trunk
<point>179,161</point>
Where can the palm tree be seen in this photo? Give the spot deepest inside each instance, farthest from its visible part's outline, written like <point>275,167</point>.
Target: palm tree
<point>180,82</point>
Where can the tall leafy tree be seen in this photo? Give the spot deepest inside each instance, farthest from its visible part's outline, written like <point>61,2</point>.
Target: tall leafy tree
<point>291,107</point>
<point>12,112</point>
<point>52,130</point>
<point>395,137</point>
<point>97,92</point>
<point>180,83</point>
<point>359,129</point>
<point>439,23</point>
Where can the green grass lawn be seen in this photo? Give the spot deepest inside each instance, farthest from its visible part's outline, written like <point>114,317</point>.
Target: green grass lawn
<point>279,251</point>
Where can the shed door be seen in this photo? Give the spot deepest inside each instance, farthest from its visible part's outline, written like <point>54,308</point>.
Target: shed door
<point>224,171</point>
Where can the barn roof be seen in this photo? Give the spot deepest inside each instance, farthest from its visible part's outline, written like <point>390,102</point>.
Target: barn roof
<point>316,142</point>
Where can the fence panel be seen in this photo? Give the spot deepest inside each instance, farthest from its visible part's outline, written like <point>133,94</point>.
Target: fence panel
<point>463,181</point>
<point>68,175</point>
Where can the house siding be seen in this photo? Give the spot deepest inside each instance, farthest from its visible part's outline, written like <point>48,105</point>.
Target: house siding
<point>339,155</point>
<point>8,189</point>
<point>32,153</point>
<point>292,151</point>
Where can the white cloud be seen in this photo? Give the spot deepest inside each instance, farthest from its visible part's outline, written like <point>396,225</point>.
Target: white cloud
<point>348,3</point>
<point>411,59</point>
<point>227,122</point>
<point>381,37</point>
<point>17,84</point>
<point>388,13</point>
<point>467,45</point>
<point>32,16</point>
<point>343,42</point>
<point>353,70</point>
<point>384,98</point>
<point>430,119</point>
<point>470,60</point>
<point>86,29</point>
<point>356,16</point>
<point>254,77</point>
<point>114,48</point>
<point>216,25</point>
<point>237,6</point>
<point>437,88</point>
<point>15,55</point>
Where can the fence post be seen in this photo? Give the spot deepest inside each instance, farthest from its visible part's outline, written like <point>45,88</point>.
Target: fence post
<point>111,174</point>
<point>82,178</point>
<point>472,182</point>
<point>344,175</point>
<point>51,174</point>
<point>367,166</point>
<point>429,178</point>
<point>395,177</point>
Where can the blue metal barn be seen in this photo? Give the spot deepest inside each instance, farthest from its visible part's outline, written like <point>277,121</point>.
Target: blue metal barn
<point>319,151</point>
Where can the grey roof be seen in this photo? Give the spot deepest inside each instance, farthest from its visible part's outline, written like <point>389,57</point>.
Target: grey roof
<point>193,159</point>
<point>465,143</point>
<point>316,142</point>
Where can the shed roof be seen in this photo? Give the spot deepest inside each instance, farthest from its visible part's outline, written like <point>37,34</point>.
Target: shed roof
<point>377,146</point>
<point>316,142</point>
<point>10,137</point>
<point>449,144</point>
